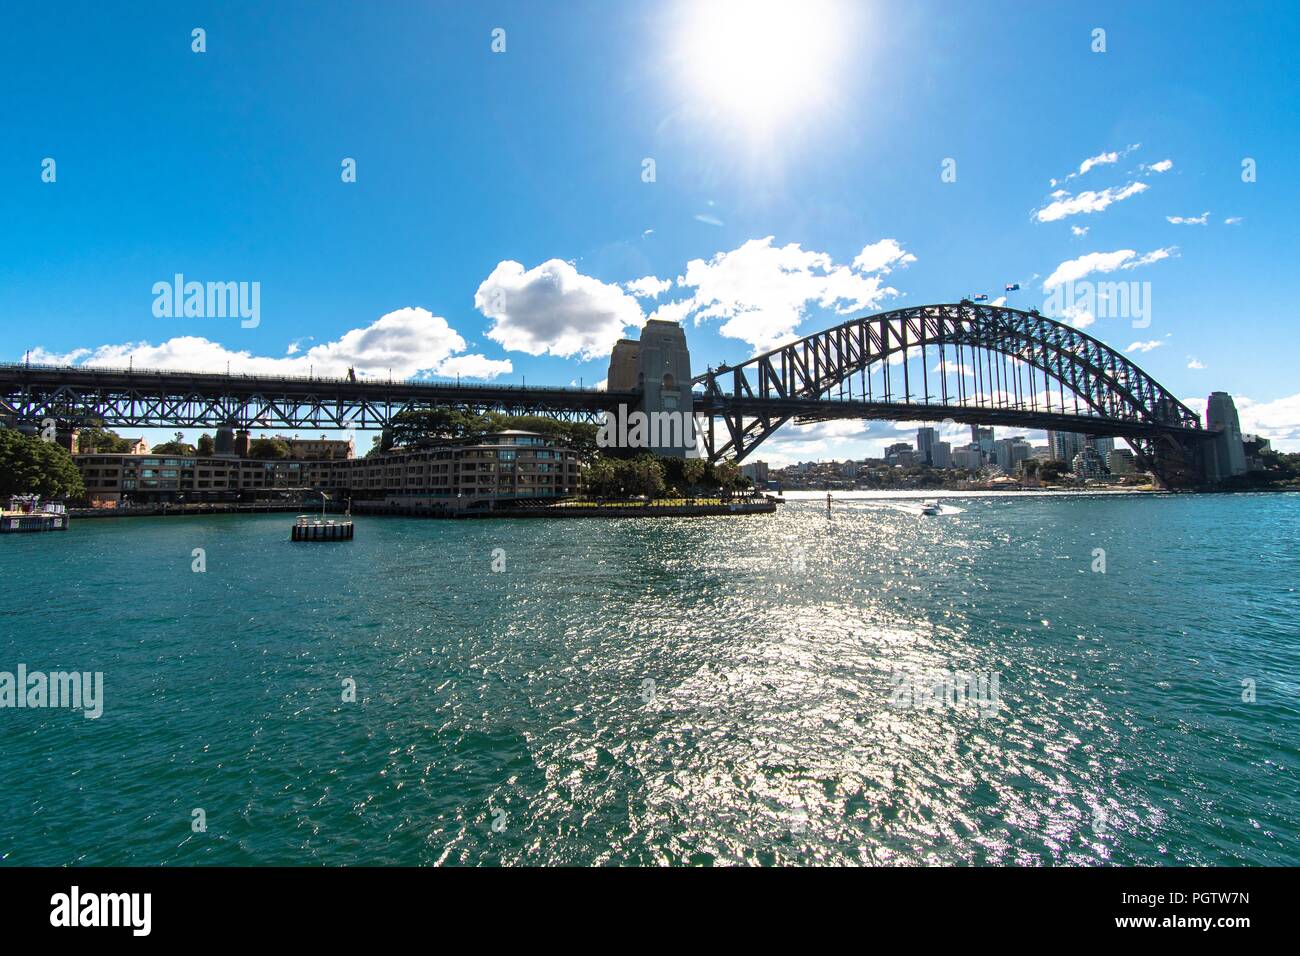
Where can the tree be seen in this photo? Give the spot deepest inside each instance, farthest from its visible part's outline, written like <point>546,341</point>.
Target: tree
<point>102,440</point>
<point>267,448</point>
<point>173,448</point>
<point>1053,469</point>
<point>421,428</point>
<point>624,477</point>
<point>206,445</point>
<point>29,466</point>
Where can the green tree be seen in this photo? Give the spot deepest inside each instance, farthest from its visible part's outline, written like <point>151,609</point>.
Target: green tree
<point>102,440</point>
<point>267,448</point>
<point>206,445</point>
<point>624,477</point>
<point>29,466</point>
<point>420,428</point>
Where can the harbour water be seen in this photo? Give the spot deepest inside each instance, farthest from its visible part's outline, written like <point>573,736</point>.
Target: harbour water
<point>676,691</point>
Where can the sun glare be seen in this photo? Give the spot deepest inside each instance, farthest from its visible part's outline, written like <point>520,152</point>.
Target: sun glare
<point>759,62</point>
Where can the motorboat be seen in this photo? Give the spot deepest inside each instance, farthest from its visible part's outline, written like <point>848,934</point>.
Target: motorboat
<point>930,507</point>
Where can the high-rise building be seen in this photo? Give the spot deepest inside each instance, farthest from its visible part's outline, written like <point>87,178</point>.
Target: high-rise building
<point>1008,452</point>
<point>1121,462</point>
<point>1227,452</point>
<point>1088,464</point>
<point>1102,444</point>
<point>983,437</point>
<point>1065,445</point>
<point>968,457</point>
<point>925,438</point>
<point>941,454</point>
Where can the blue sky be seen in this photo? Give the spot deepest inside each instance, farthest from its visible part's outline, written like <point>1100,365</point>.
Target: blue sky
<point>520,178</point>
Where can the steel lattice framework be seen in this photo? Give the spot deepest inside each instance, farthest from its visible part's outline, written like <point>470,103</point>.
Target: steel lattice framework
<point>971,363</point>
<point>978,364</point>
<point>145,399</point>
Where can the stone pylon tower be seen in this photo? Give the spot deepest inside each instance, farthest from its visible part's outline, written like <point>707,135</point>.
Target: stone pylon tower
<point>659,367</point>
<point>1228,455</point>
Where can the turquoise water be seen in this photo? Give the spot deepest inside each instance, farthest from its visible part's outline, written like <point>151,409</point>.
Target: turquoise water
<point>710,691</point>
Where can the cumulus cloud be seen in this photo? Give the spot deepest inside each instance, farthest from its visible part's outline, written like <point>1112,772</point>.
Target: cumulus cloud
<point>882,256</point>
<point>762,292</point>
<point>1073,270</point>
<point>1145,346</point>
<point>1200,220</point>
<point>648,287</point>
<point>1161,167</point>
<point>1078,315</point>
<point>1194,363</point>
<point>1277,420</point>
<point>404,343</point>
<point>553,309</point>
<point>1088,201</point>
<point>1080,231</point>
<point>474,366</point>
<point>813,441</point>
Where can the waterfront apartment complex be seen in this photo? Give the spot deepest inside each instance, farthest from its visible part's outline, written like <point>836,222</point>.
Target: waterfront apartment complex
<point>502,466</point>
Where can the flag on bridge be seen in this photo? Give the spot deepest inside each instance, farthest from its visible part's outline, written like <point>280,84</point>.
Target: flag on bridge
<point>1013,287</point>
<point>979,298</point>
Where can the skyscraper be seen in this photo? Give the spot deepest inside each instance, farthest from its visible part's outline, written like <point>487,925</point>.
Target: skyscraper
<point>1065,445</point>
<point>925,444</point>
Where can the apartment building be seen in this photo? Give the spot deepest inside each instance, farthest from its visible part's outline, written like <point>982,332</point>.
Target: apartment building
<point>501,466</point>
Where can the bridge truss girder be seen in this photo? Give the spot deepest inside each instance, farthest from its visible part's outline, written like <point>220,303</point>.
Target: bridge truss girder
<point>195,400</point>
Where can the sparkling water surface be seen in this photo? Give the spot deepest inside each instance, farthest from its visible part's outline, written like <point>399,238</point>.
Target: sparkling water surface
<point>669,691</point>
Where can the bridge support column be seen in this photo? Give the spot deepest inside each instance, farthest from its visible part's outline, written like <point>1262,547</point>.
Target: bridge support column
<point>659,367</point>
<point>1179,464</point>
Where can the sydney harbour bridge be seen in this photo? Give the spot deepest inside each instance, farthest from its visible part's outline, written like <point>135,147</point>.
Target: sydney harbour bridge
<point>963,362</point>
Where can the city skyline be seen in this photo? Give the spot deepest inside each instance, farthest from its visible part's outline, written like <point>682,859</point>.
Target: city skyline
<point>523,199</point>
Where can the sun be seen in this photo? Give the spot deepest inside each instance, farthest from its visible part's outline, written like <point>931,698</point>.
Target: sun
<point>760,63</point>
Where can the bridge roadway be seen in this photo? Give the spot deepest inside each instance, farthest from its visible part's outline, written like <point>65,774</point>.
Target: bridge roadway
<point>147,398</point>
<point>143,398</point>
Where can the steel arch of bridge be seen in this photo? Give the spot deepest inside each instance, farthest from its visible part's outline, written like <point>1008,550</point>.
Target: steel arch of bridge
<point>996,365</point>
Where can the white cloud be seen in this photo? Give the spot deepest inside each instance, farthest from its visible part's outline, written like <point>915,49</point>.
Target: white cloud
<point>1232,220</point>
<point>648,287</point>
<point>1145,346</point>
<point>1080,231</point>
<point>1194,363</point>
<point>1102,159</point>
<point>554,309</point>
<point>1161,167</point>
<point>1073,270</point>
<point>1088,201</point>
<point>882,256</point>
<point>409,341</point>
<point>708,219</point>
<point>1077,315</point>
<point>1278,420</point>
<point>474,366</point>
<point>1200,220</point>
<point>763,292</point>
